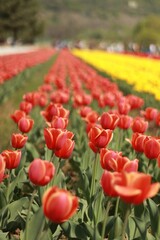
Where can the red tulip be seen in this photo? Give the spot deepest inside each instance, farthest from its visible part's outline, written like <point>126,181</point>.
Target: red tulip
<point>135,187</point>
<point>124,122</point>
<point>138,141</point>
<point>2,167</point>
<point>11,158</point>
<point>55,138</point>
<point>41,172</point>
<point>157,119</point>
<point>107,99</point>
<point>106,155</point>
<point>53,110</point>
<point>134,101</point>
<point>32,97</point>
<point>124,107</point>
<point>50,112</point>
<point>62,112</point>
<point>59,204</point>
<point>107,182</point>
<point>25,124</point>
<point>99,138</point>
<point>67,149</point>
<point>43,100</point>
<point>139,125</point>
<point>150,113</point>
<point>18,140</point>
<point>109,120</point>
<point>17,115</point>
<point>91,117</point>
<point>85,110</point>
<point>26,107</point>
<point>152,148</point>
<point>59,122</point>
<point>118,163</point>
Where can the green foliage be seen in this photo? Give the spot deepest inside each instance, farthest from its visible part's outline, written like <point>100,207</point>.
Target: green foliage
<point>115,17</point>
<point>19,19</point>
<point>26,81</point>
<point>147,31</point>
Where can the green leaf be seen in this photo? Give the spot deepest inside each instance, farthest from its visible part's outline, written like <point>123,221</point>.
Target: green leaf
<point>141,225</point>
<point>91,231</point>
<point>109,225</point>
<point>3,236</point>
<point>22,162</point>
<point>59,179</point>
<point>21,177</point>
<point>32,149</point>
<point>48,153</point>
<point>154,217</point>
<point>57,231</point>
<point>46,235</point>
<point>139,211</point>
<point>116,229</point>
<point>150,237</point>
<point>131,228</point>
<point>3,200</point>
<point>35,225</point>
<point>16,207</point>
<point>73,230</point>
<point>83,208</point>
<point>78,231</point>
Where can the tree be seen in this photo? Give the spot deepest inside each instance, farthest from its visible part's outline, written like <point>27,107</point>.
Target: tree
<point>19,19</point>
<point>147,32</point>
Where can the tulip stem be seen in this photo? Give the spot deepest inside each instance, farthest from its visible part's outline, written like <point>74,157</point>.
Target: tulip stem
<point>147,168</point>
<point>95,163</point>
<point>117,205</point>
<point>120,139</point>
<point>99,205</point>
<point>106,218</point>
<point>28,214</point>
<point>125,221</point>
<point>8,183</point>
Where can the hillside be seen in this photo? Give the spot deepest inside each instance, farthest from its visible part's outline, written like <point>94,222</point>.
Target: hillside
<point>98,19</point>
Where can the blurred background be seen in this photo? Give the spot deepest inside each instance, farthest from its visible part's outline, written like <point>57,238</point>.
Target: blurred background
<point>113,25</point>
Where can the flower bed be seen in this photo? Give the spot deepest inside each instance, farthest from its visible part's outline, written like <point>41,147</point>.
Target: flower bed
<point>83,163</point>
<point>11,65</point>
<point>141,72</point>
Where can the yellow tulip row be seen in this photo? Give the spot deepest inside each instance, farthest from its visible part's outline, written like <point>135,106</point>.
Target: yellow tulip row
<point>141,72</point>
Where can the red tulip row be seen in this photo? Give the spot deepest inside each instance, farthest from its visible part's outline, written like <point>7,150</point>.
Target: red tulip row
<point>141,54</point>
<point>71,80</point>
<point>11,65</point>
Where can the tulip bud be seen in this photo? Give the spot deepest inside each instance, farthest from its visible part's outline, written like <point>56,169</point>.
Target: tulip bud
<point>109,121</point>
<point>67,149</point>
<point>25,124</point>
<point>59,204</point>
<point>17,115</point>
<point>26,107</point>
<point>124,122</point>
<point>139,125</point>
<point>41,172</point>
<point>18,140</point>
<point>152,148</point>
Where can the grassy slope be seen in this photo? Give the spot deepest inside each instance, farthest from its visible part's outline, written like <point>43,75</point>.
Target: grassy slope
<point>31,79</point>
<point>108,18</point>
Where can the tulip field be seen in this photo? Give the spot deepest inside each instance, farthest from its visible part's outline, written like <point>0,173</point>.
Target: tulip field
<point>83,158</point>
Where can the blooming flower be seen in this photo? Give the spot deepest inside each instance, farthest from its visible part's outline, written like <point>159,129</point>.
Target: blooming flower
<point>135,187</point>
